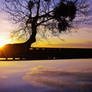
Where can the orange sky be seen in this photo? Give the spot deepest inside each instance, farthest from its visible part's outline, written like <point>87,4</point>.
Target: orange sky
<point>80,39</point>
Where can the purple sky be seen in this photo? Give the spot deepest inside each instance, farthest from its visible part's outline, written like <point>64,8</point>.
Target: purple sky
<point>82,38</point>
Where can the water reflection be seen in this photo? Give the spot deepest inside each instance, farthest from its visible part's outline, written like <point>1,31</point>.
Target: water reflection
<point>60,80</point>
<point>46,76</point>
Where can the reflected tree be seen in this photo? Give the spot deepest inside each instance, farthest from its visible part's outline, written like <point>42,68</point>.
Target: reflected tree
<point>54,15</point>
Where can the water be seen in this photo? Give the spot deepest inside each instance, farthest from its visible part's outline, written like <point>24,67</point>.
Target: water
<point>74,75</point>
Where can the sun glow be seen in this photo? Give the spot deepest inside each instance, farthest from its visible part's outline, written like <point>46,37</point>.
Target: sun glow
<point>3,41</point>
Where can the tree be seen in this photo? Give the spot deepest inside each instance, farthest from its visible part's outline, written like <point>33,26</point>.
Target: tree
<point>55,15</point>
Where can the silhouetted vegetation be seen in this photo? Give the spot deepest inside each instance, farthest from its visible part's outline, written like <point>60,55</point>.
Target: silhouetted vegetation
<point>54,15</point>
<point>11,51</point>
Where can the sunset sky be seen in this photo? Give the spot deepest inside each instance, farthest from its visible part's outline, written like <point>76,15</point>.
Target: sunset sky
<point>80,39</point>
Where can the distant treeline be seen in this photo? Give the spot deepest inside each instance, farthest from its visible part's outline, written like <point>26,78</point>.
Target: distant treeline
<point>48,53</point>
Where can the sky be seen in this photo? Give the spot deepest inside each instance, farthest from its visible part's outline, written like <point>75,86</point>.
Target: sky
<point>80,37</point>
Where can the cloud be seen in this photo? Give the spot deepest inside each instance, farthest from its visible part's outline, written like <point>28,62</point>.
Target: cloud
<point>86,44</point>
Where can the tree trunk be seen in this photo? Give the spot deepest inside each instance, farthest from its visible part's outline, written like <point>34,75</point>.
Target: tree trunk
<point>32,38</point>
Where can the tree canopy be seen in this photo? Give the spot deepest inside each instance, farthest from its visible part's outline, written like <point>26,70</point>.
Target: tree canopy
<point>54,15</point>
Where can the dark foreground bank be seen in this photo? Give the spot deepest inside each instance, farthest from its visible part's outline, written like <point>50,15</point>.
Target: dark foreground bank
<point>47,53</point>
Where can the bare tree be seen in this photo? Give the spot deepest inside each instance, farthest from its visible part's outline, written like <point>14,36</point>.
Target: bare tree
<point>55,15</point>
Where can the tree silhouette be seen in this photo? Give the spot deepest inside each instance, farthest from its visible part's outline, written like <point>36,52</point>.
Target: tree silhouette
<point>55,15</point>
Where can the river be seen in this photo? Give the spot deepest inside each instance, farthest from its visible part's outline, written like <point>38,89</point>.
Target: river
<point>66,75</point>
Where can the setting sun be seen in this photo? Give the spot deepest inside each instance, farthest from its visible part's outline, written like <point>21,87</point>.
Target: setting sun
<point>3,41</point>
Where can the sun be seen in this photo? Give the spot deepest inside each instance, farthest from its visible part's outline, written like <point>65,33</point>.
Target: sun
<point>3,41</point>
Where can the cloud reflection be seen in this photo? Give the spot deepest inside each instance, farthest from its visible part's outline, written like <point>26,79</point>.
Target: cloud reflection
<point>58,79</point>
<point>3,77</point>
